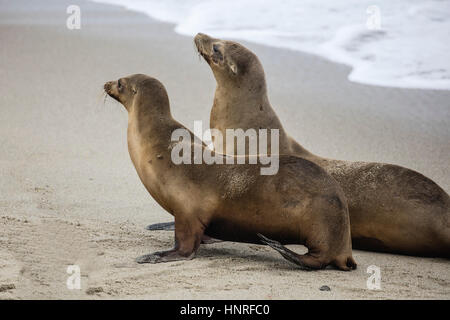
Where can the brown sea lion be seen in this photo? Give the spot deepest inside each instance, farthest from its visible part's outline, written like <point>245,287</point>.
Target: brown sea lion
<point>300,204</point>
<point>392,209</point>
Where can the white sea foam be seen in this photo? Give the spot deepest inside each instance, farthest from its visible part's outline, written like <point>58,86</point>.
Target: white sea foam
<point>411,49</point>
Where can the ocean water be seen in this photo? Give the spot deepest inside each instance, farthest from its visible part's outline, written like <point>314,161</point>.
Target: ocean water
<point>395,43</point>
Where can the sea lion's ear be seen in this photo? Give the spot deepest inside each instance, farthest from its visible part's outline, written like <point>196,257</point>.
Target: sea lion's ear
<point>232,67</point>
<point>134,90</point>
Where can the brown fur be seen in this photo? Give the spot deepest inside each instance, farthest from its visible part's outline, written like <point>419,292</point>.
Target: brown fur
<point>300,204</point>
<point>392,209</point>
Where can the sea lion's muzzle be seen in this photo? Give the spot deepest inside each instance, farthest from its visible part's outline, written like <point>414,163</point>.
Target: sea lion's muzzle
<point>200,39</point>
<point>107,86</point>
<point>112,90</point>
<point>203,42</point>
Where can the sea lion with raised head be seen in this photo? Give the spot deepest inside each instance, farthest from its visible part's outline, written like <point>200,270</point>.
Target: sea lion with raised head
<point>392,209</point>
<point>300,204</point>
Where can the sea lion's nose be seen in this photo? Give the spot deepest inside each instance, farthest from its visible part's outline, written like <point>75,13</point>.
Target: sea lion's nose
<point>201,41</point>
<point>201,37</point>
<point>107,86</point>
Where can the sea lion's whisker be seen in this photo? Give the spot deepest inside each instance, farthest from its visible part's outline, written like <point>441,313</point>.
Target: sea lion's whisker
<point>99,99</point>
<point>199,52</point>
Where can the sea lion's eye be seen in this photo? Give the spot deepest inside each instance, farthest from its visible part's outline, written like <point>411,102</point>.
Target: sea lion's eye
<point>119,84</point>
<point>215,48</point>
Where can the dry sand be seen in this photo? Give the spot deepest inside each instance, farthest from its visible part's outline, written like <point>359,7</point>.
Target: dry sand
<point>70,195</point>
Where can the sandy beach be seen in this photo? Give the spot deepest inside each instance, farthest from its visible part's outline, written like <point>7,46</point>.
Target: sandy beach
<point>69,194</point>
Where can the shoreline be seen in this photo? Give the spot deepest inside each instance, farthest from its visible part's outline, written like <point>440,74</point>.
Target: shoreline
<point>70,195</point>
<point>344,46</point>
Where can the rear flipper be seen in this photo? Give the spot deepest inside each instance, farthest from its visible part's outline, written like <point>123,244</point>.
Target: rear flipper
<point>166,226</point>
<point>345,263</point>
<point>306,262</point>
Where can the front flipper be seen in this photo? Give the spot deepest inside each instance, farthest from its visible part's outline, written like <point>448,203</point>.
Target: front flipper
<point>188,235</point>
<point>208,240</point>
<point>170,226</point>
<point>166,226</point>
<point>163,256</point>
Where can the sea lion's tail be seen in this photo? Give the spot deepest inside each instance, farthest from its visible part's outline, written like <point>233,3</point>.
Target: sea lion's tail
<point>289,254</point>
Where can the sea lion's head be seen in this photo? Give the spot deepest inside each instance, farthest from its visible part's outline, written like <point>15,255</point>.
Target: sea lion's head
<point>229,60</point>
<point>138,91</point>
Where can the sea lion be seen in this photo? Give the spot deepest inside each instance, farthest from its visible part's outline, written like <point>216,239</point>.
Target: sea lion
<point>300,204</point>
<point>392,209</point>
